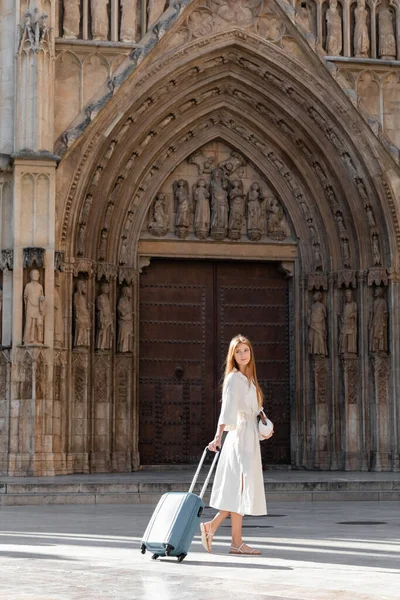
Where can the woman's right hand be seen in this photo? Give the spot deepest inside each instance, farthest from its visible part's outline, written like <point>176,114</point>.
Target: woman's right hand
<point>215,444</point>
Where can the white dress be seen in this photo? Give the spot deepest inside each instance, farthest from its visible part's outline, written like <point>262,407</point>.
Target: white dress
<point>240,455</point>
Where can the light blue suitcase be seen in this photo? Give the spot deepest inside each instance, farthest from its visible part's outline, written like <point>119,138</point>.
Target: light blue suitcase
<point>175,519</point>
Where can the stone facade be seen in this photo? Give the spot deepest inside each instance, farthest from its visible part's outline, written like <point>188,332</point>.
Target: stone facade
<point>197,129</point>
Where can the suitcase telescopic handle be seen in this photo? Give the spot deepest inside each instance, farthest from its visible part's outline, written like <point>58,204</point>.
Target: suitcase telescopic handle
<point>210,472</point>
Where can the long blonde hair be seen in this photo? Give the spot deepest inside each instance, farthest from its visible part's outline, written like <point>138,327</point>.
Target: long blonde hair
<point>231,364</point>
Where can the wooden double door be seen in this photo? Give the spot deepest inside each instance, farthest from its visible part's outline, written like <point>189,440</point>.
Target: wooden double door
<point>189,311</point>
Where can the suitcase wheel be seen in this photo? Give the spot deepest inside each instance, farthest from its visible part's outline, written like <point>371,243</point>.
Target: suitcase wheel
<point>143,549</point>
<point>180,557</point>
<point>155,556</point>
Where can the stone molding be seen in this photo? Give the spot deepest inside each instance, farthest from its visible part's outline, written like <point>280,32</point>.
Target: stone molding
<point>34,256</point>
<point>7,260</point>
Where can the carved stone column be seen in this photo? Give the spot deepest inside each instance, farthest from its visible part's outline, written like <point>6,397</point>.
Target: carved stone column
<point>103,375</point>
<point>382,431</point>
<point>394,303</point>
<point>5,389</point>
<point>351,380</point>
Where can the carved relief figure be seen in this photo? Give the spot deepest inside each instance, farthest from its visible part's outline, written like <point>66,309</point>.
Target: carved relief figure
<point>104,319</point>
<point>348,326</point>
<point>254,213</point>
<point>370,216</point>
<point>304,17</point>
<point>278,228</point>
<point>334,30</point>
<point>81,239</point>
<point>155,9</point>
<point>387,40</point>
<point>376,252</point>
<point>317,327</point>
<point>361,35</point>
<point>125,320</point>
<point>34,310</point>
<point>72,19</point>
<point>204,164</point>
<point>99,14</point>
<point>58,315</point>
<point>236,211</point>
<point>82,316</point>
<point>219,205</point>
<point>233,163</point>
<point>128,21</point>
<point>378,323</point>
<point>159,225</point>
<point>202,216</point>
<point>182,219</point>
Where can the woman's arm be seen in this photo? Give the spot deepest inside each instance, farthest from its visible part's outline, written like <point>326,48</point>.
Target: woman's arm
<point>216,442</point>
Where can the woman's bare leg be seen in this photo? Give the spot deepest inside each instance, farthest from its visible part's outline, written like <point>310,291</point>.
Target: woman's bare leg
<point>212,526</point>
<point>236,521</point>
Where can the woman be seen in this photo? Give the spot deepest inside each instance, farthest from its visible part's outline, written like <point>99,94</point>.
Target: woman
<point>239,484</point>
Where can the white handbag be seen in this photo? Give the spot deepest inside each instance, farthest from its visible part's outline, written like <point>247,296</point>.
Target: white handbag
<point>265,426</point>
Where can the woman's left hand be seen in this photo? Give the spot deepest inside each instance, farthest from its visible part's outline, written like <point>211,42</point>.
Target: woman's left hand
<point>266,437</point>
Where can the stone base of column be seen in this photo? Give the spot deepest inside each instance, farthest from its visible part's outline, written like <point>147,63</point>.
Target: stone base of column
<point>121,462</point>
<point>135,461</point>
<point>61,465</point>
<point>4,463</point>
<point>381,461</point>
<point>100,462</point>
<point>323,461</point>
<point>36,465</point>
<point>78,462</point>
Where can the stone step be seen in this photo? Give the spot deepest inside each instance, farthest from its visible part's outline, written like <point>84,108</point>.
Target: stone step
<point>147,487</point>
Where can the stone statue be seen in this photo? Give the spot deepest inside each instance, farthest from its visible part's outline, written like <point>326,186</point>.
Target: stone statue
<point>71,19</point>
<point>387,40</point>
<point>182,219</point>
<point>103,244</point>
<point>376,252</point>
<point>304,17</point>
<point>233,163</point>
<point>348,326</point>
<point>125,320</point>
<point>34,310</point>
<point>236,211</point>
<point>159,224</point>
<point>334,30</point>
<point>219,204</point>
<point>155,9</point>
<point>58,315</point>
<point>99,14</point>
<point>370,216</point>
<point>203,163</point>
<point>128,20</point>
<point>378,323</point>
<point>361,35</point>
<point>317,255</point>
<point>317,327</point>
<point>82,316</point>
<point>254,214</point>
<point>346,252</point>
<point>278,228</point>
<point>81,239</point>
<point>202,215</point>
<point>104,319</point>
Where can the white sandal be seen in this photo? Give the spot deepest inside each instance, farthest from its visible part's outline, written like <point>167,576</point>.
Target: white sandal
<point>253,551</point>
<point>206,538</point>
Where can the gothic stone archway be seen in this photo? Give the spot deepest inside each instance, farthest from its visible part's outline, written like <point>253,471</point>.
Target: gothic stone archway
<point>258,87</point>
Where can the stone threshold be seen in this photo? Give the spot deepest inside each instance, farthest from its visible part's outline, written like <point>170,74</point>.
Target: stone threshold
<point>146,487</point>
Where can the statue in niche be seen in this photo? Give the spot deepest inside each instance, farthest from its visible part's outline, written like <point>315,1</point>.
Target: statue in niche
<point>236,210</point>
<point>348,326</point>
<point>104,319</point>
<point>99,14</point>
<point>278,228</point>
<point>182,208</point>
<point>361,35</point>
<point>370,216</point>
<point>82,316</point>
<point>202,215</point>
<point>387,39</point>
<point>378,324</point>
<point>317,327</point>
<point>219,204</point>
<point>125,320</point>
<point>158,226</point>
<point>203,163</point>
<point>110,150</point>
<point>34,310</point>
<point>376,252</point>
<point>334,30</point>
<point>346,252</point>
<point>123,257</point>
<point>128,21</point>
<point>103,244</point>
<point>317,255</point>
<point>81,239</point>
<point>98,172</point>
<point>71,19</point>
<point>304,17</point>
<point>155,9</point>
<point>341,225</point>
<point>254,213</point>
<point>58,315</point>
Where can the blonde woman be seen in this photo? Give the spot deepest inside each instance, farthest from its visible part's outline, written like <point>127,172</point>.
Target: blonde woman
<point>238,484</point>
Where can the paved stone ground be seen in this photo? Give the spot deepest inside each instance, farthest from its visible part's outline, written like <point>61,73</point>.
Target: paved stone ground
<point>310,552</point>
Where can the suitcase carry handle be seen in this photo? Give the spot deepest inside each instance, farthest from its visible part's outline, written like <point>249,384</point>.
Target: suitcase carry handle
<point>214,462</point>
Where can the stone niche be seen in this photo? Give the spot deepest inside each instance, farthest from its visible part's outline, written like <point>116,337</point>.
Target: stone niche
<point>217,194</point>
